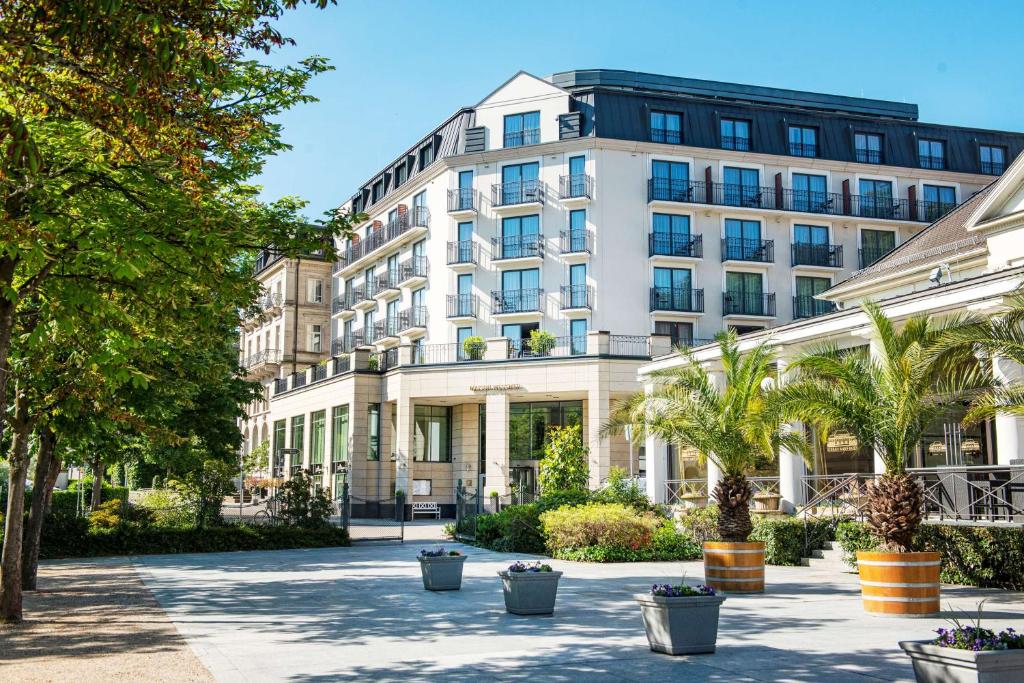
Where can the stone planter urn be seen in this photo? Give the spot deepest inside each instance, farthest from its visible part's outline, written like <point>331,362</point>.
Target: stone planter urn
<point>442,571</point>
<point>935,664</point>
<point>767,501</point>
<point>529,588</point>
<point>681,624</point>
<point>693,502</point>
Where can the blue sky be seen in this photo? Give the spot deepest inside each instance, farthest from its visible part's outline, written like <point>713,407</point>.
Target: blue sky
<point>402,67</point>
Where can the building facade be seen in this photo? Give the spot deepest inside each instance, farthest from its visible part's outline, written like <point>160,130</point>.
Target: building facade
<point>621,214</point>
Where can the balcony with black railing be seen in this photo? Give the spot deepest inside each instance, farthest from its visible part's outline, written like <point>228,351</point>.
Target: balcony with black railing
<point>931,211</point>
<point>563,347</point>
<point>677,299</point>
<point>868,255</point>
<point>348,343</point>
<point>577,297</point>
<point>884,207</point>
<point>463,306</point>
<point>402,223</point>
<point>993,167</point>
<point>748,303</point>
<point>819,255</point>
<point>933,162</point>
<point>517,192</point>
<point>412,318</point>
<point>367,291</point>
<point>317,372</point>
<point>280,385</point>
<point>463,253</point>
<point>673,190</point>
<point>419,217</point>
<point>387,282</point>
<point>578,241</point>
<point>521,138</point>
<point>462,199</point>
<point>682,245</point>
<point>809,307</point>
<point>383,329</point>
<point>261,358</point>
<point>518,247</point>
<point>298,379</point>
<point>345,301</point>
<point>575,186</point>
<point>509,301</point>
<point>412,269</point>
<point>868,156</point>
<point>803,149</point>
<point>755,250</point>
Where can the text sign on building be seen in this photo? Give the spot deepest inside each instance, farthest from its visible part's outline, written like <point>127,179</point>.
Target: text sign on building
<point>496,387</point>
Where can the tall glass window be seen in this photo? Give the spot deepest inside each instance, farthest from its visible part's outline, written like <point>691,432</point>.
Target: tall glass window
<point>298,439</point>
<point>520,236</point>
<point>993,159</point>
<point>931,153</point>
<point>803,141</point>
<point>317,437</point>
<point>280,434</point>
<point>465,198</point>
<point>874,244</point>
<point>804,303</point>
<point>373,431</point>
<point>670,181</point>
<point>742,240</point>
<point>578,336</point>
<point>742,186</point>
<point>744,294</point>
<point>673,289</point>
<point>519,183</point>
<point>876,199</point>
<point>339,434</point>
<point>432,435</point>
<point>868,148</point>
<point>530,423</point>
<point>938,201</point>
<point>810,193</point>
<point>735,134</point>
<point>666,127</point>
<point>671,235</point>
<point>522,129</point>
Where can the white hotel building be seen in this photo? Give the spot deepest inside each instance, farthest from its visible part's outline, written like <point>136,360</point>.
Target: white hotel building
<point>623,213</point>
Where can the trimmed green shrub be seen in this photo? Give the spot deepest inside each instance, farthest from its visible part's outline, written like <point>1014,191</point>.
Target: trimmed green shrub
<point>516,529</point>
<point>166,508</point>
<point>557,499</point>
<point>109,492</point>
<point>787,539</point>
<point>669,543</point>
<point>854,536</point>
<point>700,523</point>
<point>621,489</point>
<point>613,532</point>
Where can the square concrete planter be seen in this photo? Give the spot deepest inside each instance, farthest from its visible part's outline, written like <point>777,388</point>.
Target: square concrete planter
<point>934,664</point>
<point>681,626</point>
<point>442,573</point>
<point>530,592</point>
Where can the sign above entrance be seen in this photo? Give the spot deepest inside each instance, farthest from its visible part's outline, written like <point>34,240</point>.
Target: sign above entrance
<point>496,387</point>
<point>841,442</point>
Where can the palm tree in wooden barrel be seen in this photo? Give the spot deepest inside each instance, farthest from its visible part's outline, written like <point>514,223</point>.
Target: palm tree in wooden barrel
<point>887,398</point>
<point>736,426</point>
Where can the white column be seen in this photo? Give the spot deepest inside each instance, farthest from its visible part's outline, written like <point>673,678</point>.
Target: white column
<point>404,426</point>
<point>714,473</point>
<point>875,350</point>
<point>791,472</point>
<point>497,444</point>
<point>600,449</point>
<point>1009,428</point>
<point>657,469</point>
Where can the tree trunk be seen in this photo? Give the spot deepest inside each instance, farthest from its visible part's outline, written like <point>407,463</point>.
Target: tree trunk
<point>10,560</point>
<point>47,469</point>
<point>98,468</point>
<point>733,497</point>
<point>7,308</point>
<point>895,510</point>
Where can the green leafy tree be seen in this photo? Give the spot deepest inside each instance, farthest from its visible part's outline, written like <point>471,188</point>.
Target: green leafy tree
<point>303,504</point>
<point>203,491</point>
<point>564,466</point>
<point>737,426</point>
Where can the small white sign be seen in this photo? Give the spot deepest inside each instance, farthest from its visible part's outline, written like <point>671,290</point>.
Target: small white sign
<point>421,487</point>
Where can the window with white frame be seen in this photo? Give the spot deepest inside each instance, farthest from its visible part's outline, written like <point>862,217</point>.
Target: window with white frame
<point>315,290</point>
<point>315,338</point>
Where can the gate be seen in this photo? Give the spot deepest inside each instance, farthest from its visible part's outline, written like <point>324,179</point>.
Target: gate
<point>468,506</point>
<point>368,519</point>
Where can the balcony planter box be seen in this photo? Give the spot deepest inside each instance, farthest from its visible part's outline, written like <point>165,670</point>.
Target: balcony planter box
<point>767,501</point>
<point>935,664</point>
<point>441,572</point>
<point>529,591</point>
<point>900,584</point>
<point>683,625</point>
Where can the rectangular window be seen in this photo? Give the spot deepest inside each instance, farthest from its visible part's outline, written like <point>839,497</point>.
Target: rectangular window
<point>931,153</point>
<point>810,234</point>
<point>530,423</point>
<point>520,236</point>
<point>432,435</point>
<point>578,336</point>
<point>874,244</point>
<point>670,181</point>
<point>317,437</point>
<point>804,303</point>
<point>803,141</point>
<point>993,159</point>
<point>339,434</point>
<point>671,235</point>
<point>681,334</point>
<point>373,431</point>
<point>666,127</point>
<point>298,439</point>
<point>742,186</point>
<point>744,294</point>
<point>522,129</point>
<point>867,148</point>
<point>401,173</point>
<point>673,290</point>
<point>735,134</point>
<point>280,434</point>
<point>464,200</point>
<point>315,339</point>
<point>743,241</point>
<point>810,193</point>
<point>938,201</point>
<point>315,291</point>
<point>876,199</point>
<point>378,191</point>
<point>426,155</point>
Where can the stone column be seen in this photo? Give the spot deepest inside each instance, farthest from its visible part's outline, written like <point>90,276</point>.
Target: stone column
<point>497,444</point>
<point>791,472</point>
<point>600,448</point>
<point>403,448</point>
<point>1009,428</point>
<point>657,469</point>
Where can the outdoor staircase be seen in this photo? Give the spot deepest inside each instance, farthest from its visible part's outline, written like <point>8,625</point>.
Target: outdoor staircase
<point>830,558</point>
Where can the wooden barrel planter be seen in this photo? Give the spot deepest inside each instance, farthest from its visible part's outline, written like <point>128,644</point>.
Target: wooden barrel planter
<point>734,567</point>
<point>900,584</point>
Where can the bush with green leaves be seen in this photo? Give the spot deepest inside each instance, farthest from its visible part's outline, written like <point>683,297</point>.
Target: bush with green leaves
<point>305,505</point>
<point>516,529</point>
<point>614,532</point>
<point>202,491</point>
<point>166,508</point>
<point>564,466</point>
<point>621,489</point>
<point>115,513</point>
<point>108,492</point>
<point>855,536</point>
<point>541,342</point>
<point>787,540</point>
<point>473,347</point>
<point>552,500</point>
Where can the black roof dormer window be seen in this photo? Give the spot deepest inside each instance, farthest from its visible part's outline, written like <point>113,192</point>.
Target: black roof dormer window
<point>867,148</point>
<point>401,174</point>
<point>378,190</point>
<point>666,127</point>
<point>931,153</point>
<point>735,134</point>
<point>426,155</point>
<point>993,159</point>
<point>803,141</point>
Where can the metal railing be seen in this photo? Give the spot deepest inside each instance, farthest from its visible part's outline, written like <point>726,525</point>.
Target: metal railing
<point>342,302</point>
<point>803,149</point>
<point>342,364</point>
<point>675,244</point>
<point>280,385</point>
<point>748,303</point>
<point>369,290</point>
<point>412,318</point>
<point>672,190</point>
<point>463,251</point>
<point>578,241</point>
<point>264,357</point>
<point>689,492</point>
<point>564,346</point>
<point>412,268</point>
<point>809,307</point>
<point>993,167</point>
<point>382,329</point>
<point>629,345</point>
<point>931,211</point>
<point>825,255</point>
<point>439,354</point>
<point>886,208</point>
<point>740,249</point>
<point>387,280</point>
<point>516,301</point>
<point>681,299</point>
<point>577,296</point>
<point>348,343</point>
<point>986,494</point>
<point>463,306</point>
<point>317,372</point>
<point>933,162</point>
<point>868,255</point>
<point>270,300</point>
<point>517,192</point>
<point>666,135</point>
<point>462,199</point>
<point>520,138</point>
<point>741,144</point>
<point>518,246</point>
<point>298,379</point>
<point>379,237</point>
<point>869,156</point>
<point>575,186</point>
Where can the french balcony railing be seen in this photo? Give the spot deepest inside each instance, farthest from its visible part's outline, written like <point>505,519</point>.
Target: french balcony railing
<point>463,306</point>
<point>678,299</point>
<point>440,354</point>
<point>675,244</point>
<point>521,138</point>
<point>382,329</point>
<point>264,357</point>
<point>463,252</point>
<point>412,268</point>
<point>629,345</point>
<point>803,149</point>
<point>993,167</point>
<point>348,343</point>
<point>343,363</point>
<point>270,300</point>
<point>385,360</point>
<point>933,162</point>
<point>462,199</point>
<point>298,379</point>
<point>740,249</point>
<point>579,241</point>
<point>868,255</point>
<point>412,318</point>
<point>809,307</point>
<point>343,302</point>
<point>869,156</point>
<point>517,192</point>
<point>884,207</point>
<point>419,217</point>
<point>387,280</point>
<point>932,211</point>
<point>741,144</point>
<point>577,296</point>
<point>517,301</point>
<point>666,135</point>
<point>518,246</point>
<point>672,190</point>
<point>821,255</point>
<point>748,303</point>
<point>575,186</point>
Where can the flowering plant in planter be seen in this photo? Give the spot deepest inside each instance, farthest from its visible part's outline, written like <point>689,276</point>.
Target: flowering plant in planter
<point>529,587</point>
<point>441,569</point>
<point>979,639</point>
<point>681,591</point>
<point>519,566</point>
<point>439,551</point>
<point>681,619</point>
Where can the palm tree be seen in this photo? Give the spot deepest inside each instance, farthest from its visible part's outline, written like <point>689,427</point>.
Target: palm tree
<point>887,401</point>
<point>735,427</point>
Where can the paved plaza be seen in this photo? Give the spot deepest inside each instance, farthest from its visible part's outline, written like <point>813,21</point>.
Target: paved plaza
<point>360,613</point>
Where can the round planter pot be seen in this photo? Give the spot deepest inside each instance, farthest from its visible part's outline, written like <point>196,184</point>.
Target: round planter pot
<point>442,573</point>
<point>934,664</point>
<point>734,567</point>
<point>681,626</point>
<point>900,584</point>
<point>530,592</point>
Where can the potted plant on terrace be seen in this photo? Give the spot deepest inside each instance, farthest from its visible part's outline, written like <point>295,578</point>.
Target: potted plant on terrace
<point>541,342</point>
<point>529,588</point>
<point>887,399</point>
<point>441,569</point>
<point>473,348</point>
<point>681,620</point>
<point>737,426</point>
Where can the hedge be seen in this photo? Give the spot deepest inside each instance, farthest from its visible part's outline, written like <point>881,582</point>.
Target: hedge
<point>988,557</point>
